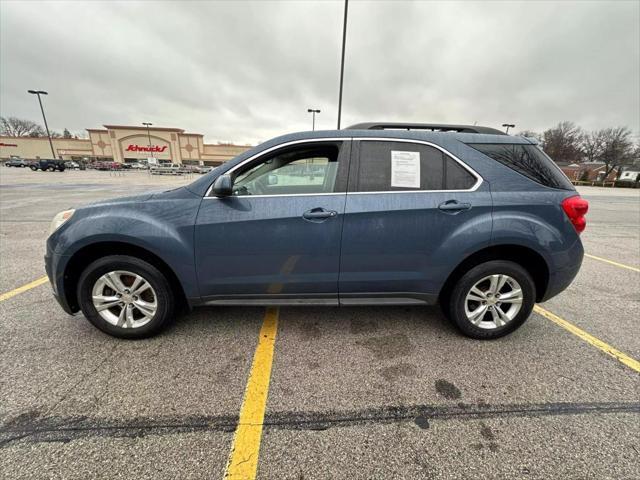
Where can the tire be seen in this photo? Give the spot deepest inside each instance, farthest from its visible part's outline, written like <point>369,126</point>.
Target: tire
<point>141,325</point>
<point>33,168</point>
<point>492,324</point>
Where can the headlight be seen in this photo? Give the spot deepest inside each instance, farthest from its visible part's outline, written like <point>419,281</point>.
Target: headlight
<point>59,220</point>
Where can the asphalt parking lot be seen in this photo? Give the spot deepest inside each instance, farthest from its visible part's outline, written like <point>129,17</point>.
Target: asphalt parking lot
<point>393,392</point>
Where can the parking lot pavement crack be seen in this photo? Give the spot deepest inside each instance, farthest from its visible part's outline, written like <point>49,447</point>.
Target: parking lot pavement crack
<point>38,429</point>
<point>84,377</point>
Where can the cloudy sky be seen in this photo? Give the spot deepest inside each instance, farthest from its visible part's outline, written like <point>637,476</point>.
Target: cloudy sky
<point>246,71</point>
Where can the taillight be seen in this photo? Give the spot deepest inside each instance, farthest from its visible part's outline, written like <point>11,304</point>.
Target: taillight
<point>576,208</point>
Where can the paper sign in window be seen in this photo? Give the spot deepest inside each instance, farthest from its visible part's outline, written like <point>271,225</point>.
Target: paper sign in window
<point>405,169</point>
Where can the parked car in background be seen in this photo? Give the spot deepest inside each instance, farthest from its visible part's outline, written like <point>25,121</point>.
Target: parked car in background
<point>72,165</point>
<point>107,165</point>
<point>377,214</point>
<point>16,162</point>
<point>138,166</point>
<point>49,165</point>
<point>166,169</point>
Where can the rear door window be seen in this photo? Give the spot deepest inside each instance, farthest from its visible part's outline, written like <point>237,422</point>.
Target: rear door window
<point>402,166</point>
<point>527,160</point>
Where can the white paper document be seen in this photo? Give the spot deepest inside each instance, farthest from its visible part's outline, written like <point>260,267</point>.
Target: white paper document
<point>405,169</point>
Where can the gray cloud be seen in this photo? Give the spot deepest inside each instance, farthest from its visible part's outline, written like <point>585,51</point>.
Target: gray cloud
<point>246,71</point>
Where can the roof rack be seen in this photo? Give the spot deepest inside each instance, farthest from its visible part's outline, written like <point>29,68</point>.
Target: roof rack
<point>425,126</point>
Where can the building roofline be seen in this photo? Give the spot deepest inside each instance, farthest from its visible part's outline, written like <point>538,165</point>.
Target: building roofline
<point>47,139</point>
<point>226,145</point>
<point>135,127</point>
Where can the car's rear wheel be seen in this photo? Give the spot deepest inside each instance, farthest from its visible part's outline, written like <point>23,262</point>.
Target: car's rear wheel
<point>492,299</point>
<point>125,297</point>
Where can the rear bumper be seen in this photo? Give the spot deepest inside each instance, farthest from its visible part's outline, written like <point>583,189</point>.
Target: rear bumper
<point>564,269</point>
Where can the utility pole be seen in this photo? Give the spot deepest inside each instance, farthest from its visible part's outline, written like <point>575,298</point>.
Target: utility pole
<point>344,41</point>
<point>147,124</point>
<point>38,93</point>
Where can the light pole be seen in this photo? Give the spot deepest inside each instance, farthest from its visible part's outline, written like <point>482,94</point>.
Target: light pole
<point>344,41</point>
<point>509,125</point>
<point>147,124</point>
<point>313,122</point>
<point>38,93</point>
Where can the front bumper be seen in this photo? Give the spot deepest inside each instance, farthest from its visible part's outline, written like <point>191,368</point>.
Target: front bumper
<point>54,265</point>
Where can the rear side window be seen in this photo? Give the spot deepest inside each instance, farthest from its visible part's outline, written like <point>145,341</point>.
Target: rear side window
<point>527,160</point>
<point>402,166</point>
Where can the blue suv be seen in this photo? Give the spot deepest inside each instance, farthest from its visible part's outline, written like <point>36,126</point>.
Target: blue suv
<point>377,214</point>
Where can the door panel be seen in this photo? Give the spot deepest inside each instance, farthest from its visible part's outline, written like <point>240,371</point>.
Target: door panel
<point>259,244</point>
<point>264,246</point>
<point>404,244</point>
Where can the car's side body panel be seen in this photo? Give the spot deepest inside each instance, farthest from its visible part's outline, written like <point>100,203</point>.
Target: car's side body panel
<point>254,247</point>
<point>161,223</point>
<point>399,245</point>
<point>534,219</point>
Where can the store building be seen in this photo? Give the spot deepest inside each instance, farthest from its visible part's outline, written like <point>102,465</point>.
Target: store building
<point>125,144</point>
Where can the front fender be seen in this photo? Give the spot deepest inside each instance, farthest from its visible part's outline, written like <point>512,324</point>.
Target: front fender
<point>164,228</point>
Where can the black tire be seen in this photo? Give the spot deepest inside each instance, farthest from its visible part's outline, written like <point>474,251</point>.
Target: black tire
<point>164,295</point>
<point>33,168</point>
<point>456,301</point>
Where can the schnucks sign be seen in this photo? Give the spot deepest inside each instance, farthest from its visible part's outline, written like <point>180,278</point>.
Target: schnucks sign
<point>142,148</point>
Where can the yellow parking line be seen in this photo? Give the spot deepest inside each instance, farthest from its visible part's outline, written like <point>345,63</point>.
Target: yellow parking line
<point>621,265</point>
<point>606,348</point>
<point>243,460</point>
<point>24,288</point>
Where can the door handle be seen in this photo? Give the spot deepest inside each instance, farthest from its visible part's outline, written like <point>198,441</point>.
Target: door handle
<point>453,206</point>
<point>318,214</point>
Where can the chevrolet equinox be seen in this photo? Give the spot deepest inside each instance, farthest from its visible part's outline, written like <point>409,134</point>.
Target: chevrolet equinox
<point>481,222</point>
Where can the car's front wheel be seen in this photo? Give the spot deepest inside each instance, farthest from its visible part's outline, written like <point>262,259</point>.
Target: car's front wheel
<point>125,297</point>
<point>492,299</point>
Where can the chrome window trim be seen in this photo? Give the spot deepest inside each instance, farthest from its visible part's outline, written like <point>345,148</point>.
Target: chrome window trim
<point>479,179</point>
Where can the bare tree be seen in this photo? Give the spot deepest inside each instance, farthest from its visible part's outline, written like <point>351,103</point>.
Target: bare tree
<point>563,142</point>
<point>530,134</point>
<point>617,148</point>
<point>592,145</point>
<point>17,127</point>
<point>66,133</point>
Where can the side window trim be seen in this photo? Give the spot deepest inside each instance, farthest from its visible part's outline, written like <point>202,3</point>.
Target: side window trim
<point>344,157</point>
<point>355,160</point>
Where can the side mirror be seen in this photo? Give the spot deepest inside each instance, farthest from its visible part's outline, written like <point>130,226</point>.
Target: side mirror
<point>223,186</point>
<point>272,179</point>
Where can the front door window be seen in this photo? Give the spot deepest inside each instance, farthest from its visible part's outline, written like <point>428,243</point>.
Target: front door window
<point>306,170</point>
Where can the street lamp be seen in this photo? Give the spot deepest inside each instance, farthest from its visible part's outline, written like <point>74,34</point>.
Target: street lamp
<point>38,93</point>
<point>344,41</point>
<point>313,122</point>
<point>509,125</point>
<point>147,124</point>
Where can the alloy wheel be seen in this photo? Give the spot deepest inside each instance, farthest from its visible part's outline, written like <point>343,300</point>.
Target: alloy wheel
<point>493,301</point>
<point>124,299</point>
